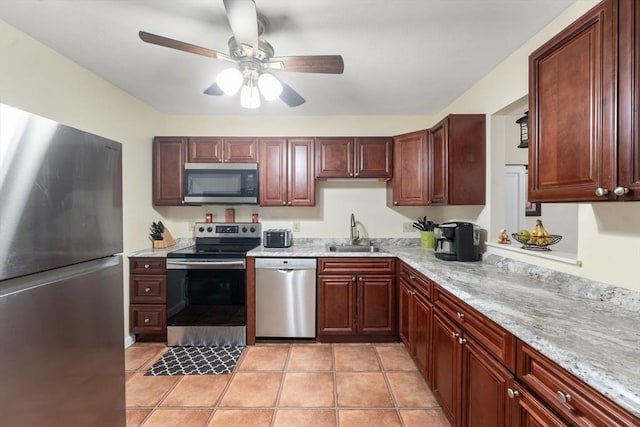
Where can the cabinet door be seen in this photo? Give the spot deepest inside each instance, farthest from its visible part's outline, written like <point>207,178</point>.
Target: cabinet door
<point>484,388</point>
<point>336,305</point>
<point>405,300</point>
<point>273,172</point>
<point>628,99</point>
<point>446,377</point>
<point>168,163</point>
<point>527,411</point>
<point>334,157</point>
<point>376,305</point>
<point>205,149</point>
<point>240,150</point>
<point>572,111</point>
<point>422,311</point>
<point>438,161</point>
<point>301,184</point>
<point>409,184</point>
<point>373,158</point>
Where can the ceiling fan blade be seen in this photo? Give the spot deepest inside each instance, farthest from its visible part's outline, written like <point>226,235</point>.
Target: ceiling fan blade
<point>214,90</point>
<point>183,46</point>
<point>290,96</point>
<point>329,64</point>
<point>243,19</point>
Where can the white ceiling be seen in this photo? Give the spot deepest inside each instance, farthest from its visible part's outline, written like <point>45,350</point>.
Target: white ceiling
<point>402,57</point>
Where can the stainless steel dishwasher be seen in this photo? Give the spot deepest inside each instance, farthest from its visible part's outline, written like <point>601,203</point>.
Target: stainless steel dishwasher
<point>286,297</point>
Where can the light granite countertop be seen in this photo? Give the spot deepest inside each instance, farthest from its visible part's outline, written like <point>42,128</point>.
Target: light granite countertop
<point>590,329</point>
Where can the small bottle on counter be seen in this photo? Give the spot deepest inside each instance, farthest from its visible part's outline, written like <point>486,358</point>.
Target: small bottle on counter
<point>208,217</point>
<point>254,218</point>
<point>230,215</point>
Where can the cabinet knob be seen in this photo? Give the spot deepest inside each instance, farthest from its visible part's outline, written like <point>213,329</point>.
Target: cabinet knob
<point>356,173</point>
<point>147,266</point>
<point>353,279</point>
<point>147,320</point>
<point>460,315</point>
<point>289,203</point>
<point>512,393</point>
<point>564,398</point>
<point>360,278</point>
<point>351,174</point>
<point>462,341</point>
<point>620,191</point>
<point>147,289</point>
<point>284,203</point>
<point>412,277</point>
<point>601,191</point>
<point>455,334</point>
<point>395,203</point>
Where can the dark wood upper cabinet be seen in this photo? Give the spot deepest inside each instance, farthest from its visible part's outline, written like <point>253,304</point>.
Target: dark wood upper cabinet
<point>408,187</point>
<point>286,172</point>
<point>360,157</point>
<point>169,155</point>
<point>207,149</point>
<point>583,116</point>
<point>457,161</point>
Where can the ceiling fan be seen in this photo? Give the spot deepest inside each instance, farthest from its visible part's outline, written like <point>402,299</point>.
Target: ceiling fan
<point>253,59</point>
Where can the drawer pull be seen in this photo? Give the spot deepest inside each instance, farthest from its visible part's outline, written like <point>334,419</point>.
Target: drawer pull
<point>147,289</point>
<point>412,277</point>
<point>513,393</point>
<point>564,398</point>
<point>147,265</point>
<point>147,320</point>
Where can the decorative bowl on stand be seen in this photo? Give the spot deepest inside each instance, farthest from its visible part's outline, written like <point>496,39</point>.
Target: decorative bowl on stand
<point>537,243</point>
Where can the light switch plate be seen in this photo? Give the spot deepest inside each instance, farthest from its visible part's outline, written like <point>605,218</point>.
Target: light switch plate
<point>296,226</point>
<point>407,227</point>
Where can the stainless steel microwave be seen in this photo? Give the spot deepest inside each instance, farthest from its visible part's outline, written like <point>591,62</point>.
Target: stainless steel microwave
<point>221,183</point>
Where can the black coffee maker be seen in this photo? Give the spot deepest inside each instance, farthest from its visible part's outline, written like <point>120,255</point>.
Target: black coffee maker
<point>458,241</point>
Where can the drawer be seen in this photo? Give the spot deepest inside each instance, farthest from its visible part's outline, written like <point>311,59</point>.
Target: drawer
<point>148,318</point>
<point>417,280</point>
<point>147,289</point>
<point>569,396</point>
<point>356,265</point>
<point>497,341</point>
<point>155,265</point>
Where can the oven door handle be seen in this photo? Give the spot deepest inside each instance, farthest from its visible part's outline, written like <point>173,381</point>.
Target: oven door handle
<point>206,265</point>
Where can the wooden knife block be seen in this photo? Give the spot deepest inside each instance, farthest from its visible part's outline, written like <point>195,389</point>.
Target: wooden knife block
<point>167,240</point>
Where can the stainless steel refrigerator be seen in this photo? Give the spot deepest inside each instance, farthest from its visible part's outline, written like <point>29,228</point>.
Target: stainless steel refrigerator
<point>61,302</point>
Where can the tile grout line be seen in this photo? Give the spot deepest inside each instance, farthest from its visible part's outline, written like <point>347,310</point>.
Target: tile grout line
<point>389,388</point>
<point>282,378</point>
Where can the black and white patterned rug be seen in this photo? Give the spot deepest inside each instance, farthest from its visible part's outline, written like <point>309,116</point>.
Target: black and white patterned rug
<point>196,361</point>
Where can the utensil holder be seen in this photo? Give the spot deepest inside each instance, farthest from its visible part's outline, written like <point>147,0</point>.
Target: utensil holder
<point>427,239</point>
<point>167,240</point>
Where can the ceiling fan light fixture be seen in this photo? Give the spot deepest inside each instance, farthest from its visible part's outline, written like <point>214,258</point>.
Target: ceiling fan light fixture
<point>229,81</point>
<point>270,86</point>
<point>249,94</point>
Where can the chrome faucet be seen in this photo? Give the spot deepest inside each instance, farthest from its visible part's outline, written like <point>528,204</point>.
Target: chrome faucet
<point>354,235</point>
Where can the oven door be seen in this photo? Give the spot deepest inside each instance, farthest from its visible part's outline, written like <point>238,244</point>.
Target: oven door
<point>206,302</point>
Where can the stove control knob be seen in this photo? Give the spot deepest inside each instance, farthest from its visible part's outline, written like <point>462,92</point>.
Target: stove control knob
<point>244,229</point>
<point>201,229</point>
<point>252,229</point>
<point>209,229</point>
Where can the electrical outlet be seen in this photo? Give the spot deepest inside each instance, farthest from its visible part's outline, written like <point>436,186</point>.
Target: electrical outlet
<point>192,225</point>
<point>296,226</point>
<point>407,227</point>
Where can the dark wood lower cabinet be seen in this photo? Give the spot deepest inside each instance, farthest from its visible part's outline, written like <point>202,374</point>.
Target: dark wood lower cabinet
<point>446,377</point>
<point>356,306</point>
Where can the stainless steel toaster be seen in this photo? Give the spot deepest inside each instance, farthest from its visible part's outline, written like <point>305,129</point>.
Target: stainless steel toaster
<point>277,238</point>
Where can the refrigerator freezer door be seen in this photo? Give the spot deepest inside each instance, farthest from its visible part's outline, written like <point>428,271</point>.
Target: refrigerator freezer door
<point>61,347</point>
<point>61,193</point>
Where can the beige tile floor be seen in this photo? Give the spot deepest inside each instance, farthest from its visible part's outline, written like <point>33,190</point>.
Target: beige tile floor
<point>286,385</point>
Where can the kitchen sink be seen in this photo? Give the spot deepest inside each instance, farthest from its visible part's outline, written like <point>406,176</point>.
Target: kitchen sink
<point>353,248</point>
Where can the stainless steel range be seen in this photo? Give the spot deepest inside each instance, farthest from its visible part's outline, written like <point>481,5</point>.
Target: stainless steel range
<point>206,286</point>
